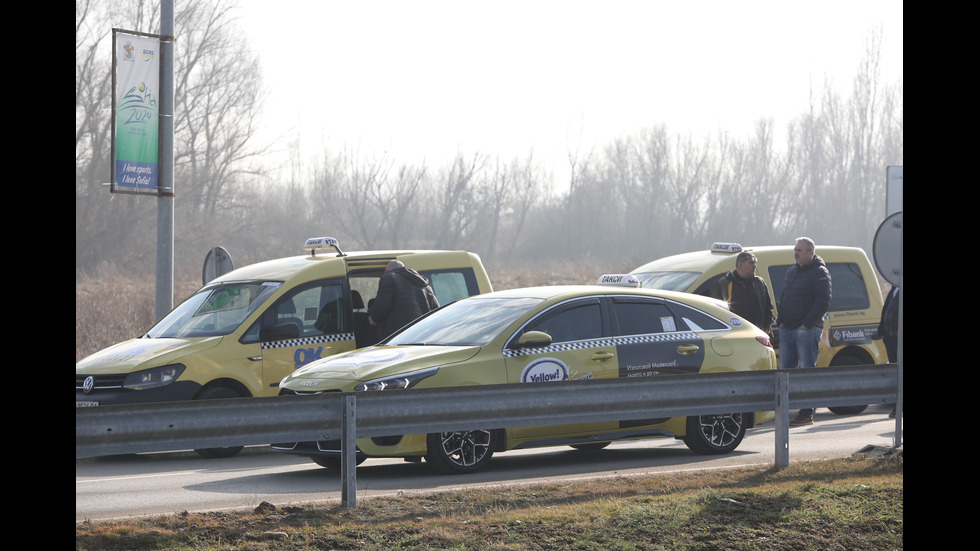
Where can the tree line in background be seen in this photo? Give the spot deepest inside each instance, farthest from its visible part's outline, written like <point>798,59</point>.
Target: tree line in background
<point>645,195</point>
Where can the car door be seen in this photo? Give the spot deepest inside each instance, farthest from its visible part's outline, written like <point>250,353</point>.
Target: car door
<point>309,322</point>
<point>653,340</point>
<point>580,349</point>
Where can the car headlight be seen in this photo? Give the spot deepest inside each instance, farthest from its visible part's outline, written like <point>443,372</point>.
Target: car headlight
<point>400,381</point>
<point>153,378</point>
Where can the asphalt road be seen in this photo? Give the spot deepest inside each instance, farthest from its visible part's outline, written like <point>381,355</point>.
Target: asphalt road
<point>166,483</point>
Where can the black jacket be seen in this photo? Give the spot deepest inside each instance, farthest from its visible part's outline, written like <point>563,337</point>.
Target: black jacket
<point>747,297</point>
<point>806,295</point>
<point>403,295</point>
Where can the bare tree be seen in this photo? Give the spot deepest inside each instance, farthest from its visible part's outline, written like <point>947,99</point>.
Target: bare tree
<point>218,96</point>
<point>457,201</point>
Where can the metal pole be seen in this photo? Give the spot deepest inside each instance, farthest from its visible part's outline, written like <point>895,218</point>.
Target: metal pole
<point>348,459</point>
<point>781,429</point>
<point>900,398</point>
<point>165,187</point>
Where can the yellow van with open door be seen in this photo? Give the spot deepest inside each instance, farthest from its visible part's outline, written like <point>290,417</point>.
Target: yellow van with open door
<point>243,332</point>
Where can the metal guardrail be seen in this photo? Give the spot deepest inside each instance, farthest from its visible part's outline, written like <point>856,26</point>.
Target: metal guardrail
<point>165,426</point>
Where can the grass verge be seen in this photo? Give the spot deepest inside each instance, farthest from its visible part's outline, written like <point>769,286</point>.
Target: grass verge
<point>848,504</point>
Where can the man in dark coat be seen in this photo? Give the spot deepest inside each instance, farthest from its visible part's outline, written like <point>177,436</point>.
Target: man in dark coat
<point>746,293</point>
<point>888,328</point>
<point>805,299</point>
<point>403,296</point>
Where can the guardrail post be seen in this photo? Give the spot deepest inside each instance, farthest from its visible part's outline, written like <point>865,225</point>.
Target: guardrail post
<point>348,454</point>
<point>782,420</point>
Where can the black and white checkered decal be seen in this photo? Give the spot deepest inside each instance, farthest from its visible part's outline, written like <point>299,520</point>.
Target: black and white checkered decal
<point>305,341</point>
<point>612,341</point>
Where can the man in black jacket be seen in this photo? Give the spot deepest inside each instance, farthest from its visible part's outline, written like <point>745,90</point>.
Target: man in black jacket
<point>746,293</point>
<point>403,296</point>
<point>805,299</point>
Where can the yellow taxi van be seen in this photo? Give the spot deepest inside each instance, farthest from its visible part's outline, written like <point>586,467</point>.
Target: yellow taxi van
<point>243,332</point>
<point>850,335</point>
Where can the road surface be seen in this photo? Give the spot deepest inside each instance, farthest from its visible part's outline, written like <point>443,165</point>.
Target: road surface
<point>166,483</point>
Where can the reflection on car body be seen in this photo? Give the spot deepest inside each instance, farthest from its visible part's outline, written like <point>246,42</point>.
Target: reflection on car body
<point>539,335</point>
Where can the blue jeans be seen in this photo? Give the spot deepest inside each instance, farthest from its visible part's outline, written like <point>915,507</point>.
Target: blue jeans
<point>799,348</point>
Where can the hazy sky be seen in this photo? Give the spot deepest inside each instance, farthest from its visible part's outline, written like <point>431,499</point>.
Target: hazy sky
<point>425,79</point>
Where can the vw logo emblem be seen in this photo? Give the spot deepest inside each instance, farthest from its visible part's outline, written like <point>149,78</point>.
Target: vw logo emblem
<point>88,384</point>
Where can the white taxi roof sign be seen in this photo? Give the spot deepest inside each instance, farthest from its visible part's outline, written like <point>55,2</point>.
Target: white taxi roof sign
<point>314,243</point>
<point>619,280</point>
<point>722,247</point>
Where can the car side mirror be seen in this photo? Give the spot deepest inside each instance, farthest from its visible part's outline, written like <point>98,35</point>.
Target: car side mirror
<point>534,339</point>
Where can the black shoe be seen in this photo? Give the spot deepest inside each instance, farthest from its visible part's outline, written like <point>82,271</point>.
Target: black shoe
<point>801,420</point>
<point>892,414</point>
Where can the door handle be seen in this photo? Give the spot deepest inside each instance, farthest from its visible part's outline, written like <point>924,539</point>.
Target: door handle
<point>602,356</point>
<point>688,349</point>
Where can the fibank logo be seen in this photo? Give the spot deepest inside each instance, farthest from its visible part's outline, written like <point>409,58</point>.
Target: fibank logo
<point>545,370</point>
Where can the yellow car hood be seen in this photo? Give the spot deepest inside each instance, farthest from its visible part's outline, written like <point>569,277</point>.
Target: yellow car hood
<point>378,361</point>
<point>137,354</point>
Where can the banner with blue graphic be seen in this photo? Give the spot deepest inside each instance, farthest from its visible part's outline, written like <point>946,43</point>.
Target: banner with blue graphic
<point>135,112</point>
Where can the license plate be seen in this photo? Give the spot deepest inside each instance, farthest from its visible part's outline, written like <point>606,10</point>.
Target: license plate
<point>80,404</point>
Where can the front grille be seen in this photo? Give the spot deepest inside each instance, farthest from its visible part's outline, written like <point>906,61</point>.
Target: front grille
<point>289,392</point>
<point>102,382</point>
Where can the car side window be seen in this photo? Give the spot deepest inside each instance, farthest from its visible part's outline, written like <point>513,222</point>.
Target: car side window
<point>695,320</point>
<point>710,288</point>
<point>315,309</point>
<point>849,290</point>
<point>777,278</point>
<point>578,321</point>
<point>642,317</point>
<point>452,285</point>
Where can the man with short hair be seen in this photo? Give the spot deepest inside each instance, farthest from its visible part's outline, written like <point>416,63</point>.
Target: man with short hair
<point>804,302</point>
<point>746,293</point>
<point>403,296</point>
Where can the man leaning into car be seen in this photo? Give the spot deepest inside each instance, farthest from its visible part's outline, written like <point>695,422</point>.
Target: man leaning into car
<point>403,295</point>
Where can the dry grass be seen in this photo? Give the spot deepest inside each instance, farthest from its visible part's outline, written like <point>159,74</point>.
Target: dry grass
<point>853,504</point>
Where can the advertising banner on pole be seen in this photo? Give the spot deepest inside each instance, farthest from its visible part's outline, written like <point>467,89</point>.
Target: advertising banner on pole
<point>135,112</point>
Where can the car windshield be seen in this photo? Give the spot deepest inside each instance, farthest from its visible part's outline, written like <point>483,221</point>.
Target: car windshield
<point>214,310</point>
<point>471,322</point>
<point>668,281</point>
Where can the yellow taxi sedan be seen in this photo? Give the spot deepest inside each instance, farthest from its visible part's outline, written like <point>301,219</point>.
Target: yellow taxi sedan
<point>535,336</point>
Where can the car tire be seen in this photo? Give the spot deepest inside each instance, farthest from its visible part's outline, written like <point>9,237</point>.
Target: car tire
<point>715,434</point>
<point>218,393</point>
<point>846,410</point>
<point>460,452</point>
<point>333,461</point>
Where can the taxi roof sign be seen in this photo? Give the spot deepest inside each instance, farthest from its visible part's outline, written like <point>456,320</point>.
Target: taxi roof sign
<point>314,243</point>
<point>619,280</point>
<point>722,247</point>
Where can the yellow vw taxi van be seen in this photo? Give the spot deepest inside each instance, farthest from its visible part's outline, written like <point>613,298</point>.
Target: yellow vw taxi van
<point>850,334</point>
<point>245,331</point>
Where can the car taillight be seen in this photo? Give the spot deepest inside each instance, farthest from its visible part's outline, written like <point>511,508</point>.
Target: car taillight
<point>764,341</point>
